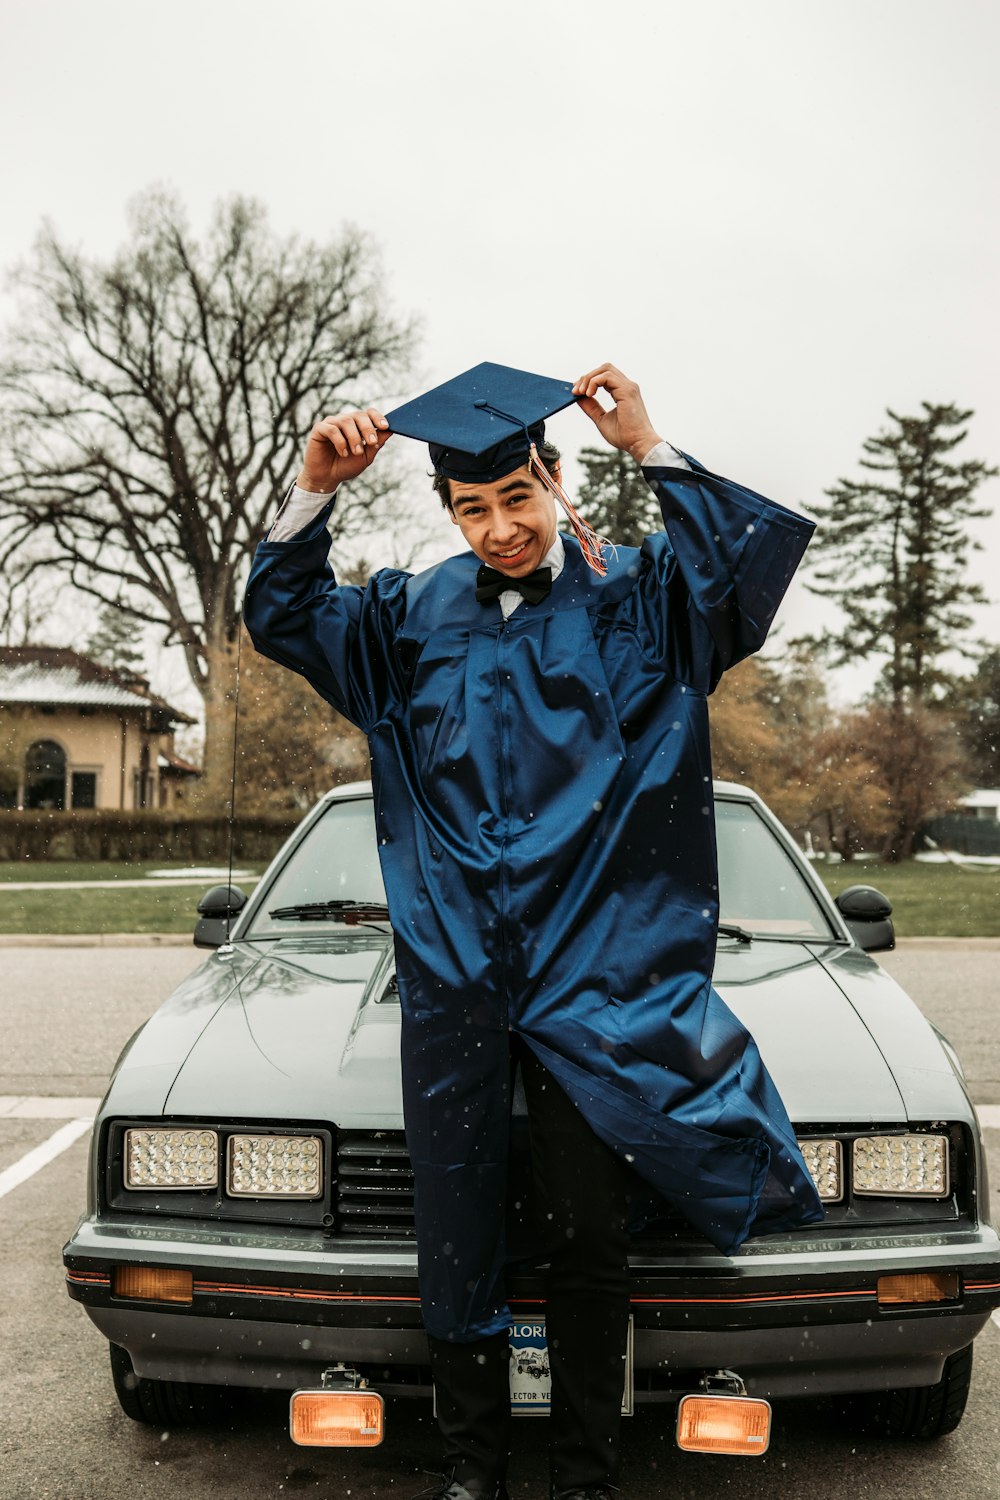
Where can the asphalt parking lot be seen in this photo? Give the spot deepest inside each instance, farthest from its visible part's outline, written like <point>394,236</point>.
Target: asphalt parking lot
<point>65,1012</point>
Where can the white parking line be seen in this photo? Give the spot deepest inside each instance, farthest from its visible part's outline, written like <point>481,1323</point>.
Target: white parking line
<point>996,1317</point>
<point>46,1107</point>
<point>989,1116</point>
<point>34,1161</point>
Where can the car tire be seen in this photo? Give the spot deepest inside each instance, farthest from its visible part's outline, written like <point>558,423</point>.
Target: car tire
<point>162,1403</point>
<point>922,1412</point>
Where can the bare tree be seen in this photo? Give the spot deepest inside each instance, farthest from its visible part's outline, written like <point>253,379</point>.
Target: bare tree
<point>849,808</point>
<point>153,407</point>
<point>28,603</point>
<point>923,764</point>
<point>766,715</point>
<point>292,747</point>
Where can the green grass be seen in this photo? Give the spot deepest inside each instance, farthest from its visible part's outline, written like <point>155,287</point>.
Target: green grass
<point>927,900</point>
<point>162,907</point>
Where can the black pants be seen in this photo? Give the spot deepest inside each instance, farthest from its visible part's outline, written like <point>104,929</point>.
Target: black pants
<point>581,1189</point>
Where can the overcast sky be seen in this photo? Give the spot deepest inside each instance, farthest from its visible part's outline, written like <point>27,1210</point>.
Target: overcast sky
<point>779,217</point>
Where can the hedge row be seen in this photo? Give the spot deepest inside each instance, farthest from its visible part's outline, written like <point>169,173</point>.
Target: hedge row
<point>92,835</point>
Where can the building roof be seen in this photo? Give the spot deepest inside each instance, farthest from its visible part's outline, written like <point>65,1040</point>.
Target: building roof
<point>175,765</point>
<point>982,796</point>
<point>51,674</point>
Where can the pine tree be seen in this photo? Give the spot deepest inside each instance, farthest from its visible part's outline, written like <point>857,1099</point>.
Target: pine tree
<point>975,704</point>
<point>615,499</point>
<point>116,643</point>
<point>892,550</point>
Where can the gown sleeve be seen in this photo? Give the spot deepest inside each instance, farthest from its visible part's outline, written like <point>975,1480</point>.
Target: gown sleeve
<point>710,583</point>
<point>338,636</point>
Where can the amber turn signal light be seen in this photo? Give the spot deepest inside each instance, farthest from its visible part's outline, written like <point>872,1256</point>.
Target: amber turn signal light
<point>924,1286</point>
<point>337,1419</point>
<point>153,1284</point>
<point>739,1425</point>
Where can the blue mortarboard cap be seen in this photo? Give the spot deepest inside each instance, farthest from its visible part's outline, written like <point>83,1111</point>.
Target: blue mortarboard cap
<point>480,425</point>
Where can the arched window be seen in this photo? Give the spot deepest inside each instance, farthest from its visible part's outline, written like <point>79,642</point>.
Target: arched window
<point>45,775</point>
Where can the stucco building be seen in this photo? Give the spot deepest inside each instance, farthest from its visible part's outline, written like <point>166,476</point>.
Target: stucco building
<point>75,734</point>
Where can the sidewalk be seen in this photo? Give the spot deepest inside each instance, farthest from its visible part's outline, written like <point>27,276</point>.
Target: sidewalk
<point>96,939</point>
<point>147,883</point>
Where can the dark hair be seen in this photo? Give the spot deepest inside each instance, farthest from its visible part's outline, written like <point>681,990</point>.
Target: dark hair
<point>547,452</point>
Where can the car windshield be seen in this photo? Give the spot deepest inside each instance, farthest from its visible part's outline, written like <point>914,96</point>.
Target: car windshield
<point>336,861</point>
<point>762,888</point>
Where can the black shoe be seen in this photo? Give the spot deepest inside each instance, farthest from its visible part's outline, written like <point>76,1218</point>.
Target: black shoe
<point>448,1488</point>
<point>472,1382</point>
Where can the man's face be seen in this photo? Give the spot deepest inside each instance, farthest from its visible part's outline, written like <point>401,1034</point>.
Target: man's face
<point>510,524</point>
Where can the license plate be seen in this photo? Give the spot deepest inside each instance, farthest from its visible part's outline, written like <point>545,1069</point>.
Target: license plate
<point>530,1376</point>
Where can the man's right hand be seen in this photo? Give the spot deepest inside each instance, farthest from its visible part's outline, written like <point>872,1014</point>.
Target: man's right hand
<point>341,448</point>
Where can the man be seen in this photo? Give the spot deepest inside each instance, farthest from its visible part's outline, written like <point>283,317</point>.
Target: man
<point>538,731</point>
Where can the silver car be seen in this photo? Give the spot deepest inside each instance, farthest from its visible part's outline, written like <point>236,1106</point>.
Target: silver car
<point>250,1199</point>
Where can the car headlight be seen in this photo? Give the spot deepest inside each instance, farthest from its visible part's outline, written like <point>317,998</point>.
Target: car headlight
<point>901,1166</point>
<point>274,1166</point>
<point>825,1160</point>
<point>171,1159</point>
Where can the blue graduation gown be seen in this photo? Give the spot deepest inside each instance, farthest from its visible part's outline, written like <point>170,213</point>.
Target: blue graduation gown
<point>543,799</point>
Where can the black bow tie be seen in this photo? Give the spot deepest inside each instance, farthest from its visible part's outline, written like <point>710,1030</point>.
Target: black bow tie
<point>533,588</point>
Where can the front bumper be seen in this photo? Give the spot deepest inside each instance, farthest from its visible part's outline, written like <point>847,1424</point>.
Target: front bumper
<point>795,1315</point>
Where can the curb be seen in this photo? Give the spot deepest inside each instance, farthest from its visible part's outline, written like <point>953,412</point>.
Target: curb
<point>969,944</point>
<point>182,939</point>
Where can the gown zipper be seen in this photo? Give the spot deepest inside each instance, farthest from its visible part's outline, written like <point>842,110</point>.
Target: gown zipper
<point>505,807</point>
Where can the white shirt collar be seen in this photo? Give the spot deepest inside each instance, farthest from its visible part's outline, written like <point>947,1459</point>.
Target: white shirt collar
<point>555,559</point>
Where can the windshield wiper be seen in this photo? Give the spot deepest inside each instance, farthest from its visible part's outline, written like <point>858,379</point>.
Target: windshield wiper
<point>726,929</point>
<point>349,911</point>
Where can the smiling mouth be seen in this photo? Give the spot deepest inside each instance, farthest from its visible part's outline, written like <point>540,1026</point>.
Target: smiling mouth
<point>512,554</point>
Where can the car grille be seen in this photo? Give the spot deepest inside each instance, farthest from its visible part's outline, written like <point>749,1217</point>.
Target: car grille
<point>373,1199</point>
<point>374,1195</point>
<point>374,1188</point>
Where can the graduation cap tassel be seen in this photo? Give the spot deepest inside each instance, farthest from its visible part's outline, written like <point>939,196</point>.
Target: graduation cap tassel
<point>591,545</point>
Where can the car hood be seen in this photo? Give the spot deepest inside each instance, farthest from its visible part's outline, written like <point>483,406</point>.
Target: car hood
<point>150,1061</point>
<point>311,1032</point>
<point>842,1041</point>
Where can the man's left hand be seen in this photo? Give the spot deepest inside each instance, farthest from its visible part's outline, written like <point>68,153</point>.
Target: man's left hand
<point>626,425</point>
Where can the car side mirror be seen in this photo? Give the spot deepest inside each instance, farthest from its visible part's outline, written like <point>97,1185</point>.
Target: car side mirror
<point>868,915</point>
<point>216,910</point>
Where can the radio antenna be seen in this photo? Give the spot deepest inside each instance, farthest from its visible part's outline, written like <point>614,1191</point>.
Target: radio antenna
<point>232,783</point>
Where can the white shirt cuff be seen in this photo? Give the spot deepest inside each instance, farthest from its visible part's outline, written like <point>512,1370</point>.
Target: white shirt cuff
<point>664,456</point>
<point>299,509</point>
